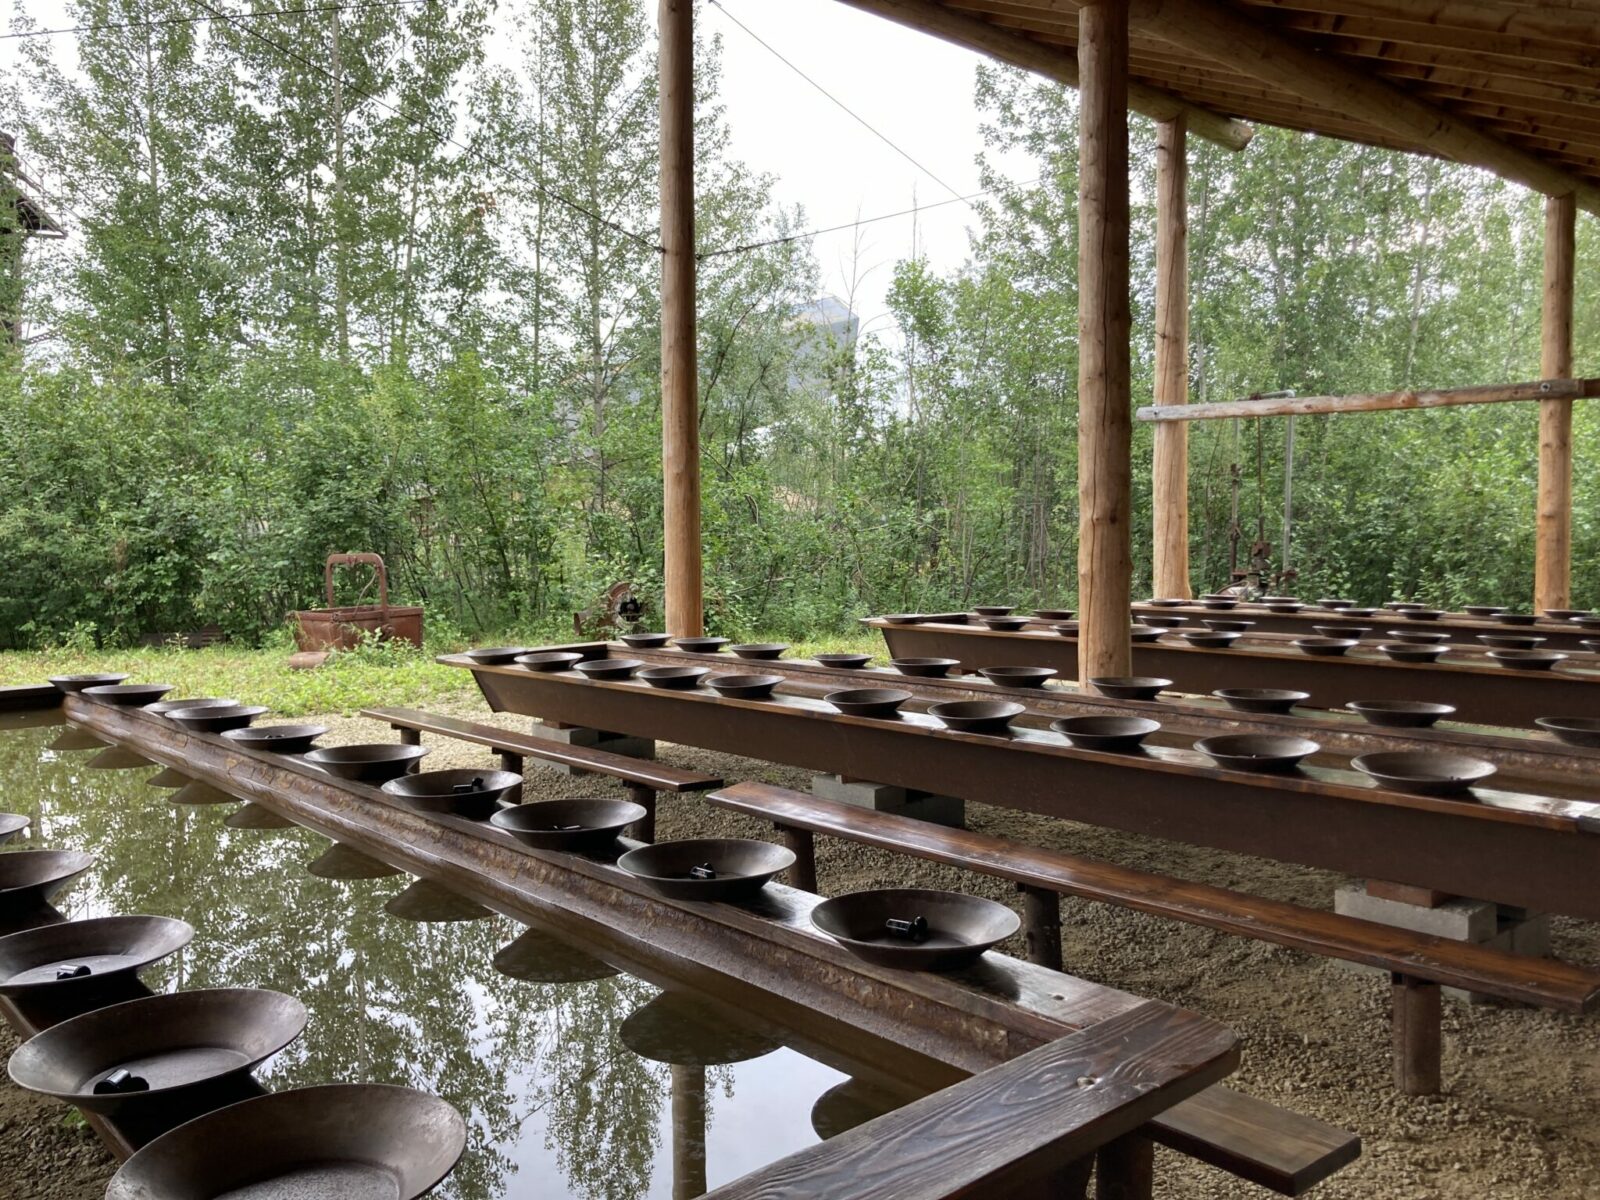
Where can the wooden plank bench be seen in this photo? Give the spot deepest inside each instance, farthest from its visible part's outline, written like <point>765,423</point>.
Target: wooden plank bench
<point>1418,963</point>
<point>641,777</point>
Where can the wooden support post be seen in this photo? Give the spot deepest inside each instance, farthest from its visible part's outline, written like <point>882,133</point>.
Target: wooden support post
<point>1105,421</point>
<point>512,762</point>
<point>803,874</point>
<point>1125,1169</point>
<point>680,392</point>
<point>1416,1035</point>
<point>1041,925</point>
<point>1170,490</point>
<point>1070,1182</point>
<point>1552,569</point>
<point>644,829</point>
<point>408,737</point>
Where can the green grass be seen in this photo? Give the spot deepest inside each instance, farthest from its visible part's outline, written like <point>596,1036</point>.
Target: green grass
<point>346,683</point>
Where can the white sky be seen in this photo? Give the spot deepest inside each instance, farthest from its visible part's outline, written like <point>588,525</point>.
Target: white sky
<point>914,89</point>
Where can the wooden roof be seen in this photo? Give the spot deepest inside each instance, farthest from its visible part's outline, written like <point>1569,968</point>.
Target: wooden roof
<point>1509,85</point>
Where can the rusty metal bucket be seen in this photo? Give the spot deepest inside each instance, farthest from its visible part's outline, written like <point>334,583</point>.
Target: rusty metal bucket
<point>342,628</point>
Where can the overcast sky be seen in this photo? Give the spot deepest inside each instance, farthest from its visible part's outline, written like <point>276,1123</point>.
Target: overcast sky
<point>915,90</point>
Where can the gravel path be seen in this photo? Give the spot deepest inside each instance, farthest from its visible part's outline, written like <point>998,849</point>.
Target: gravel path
<point>1522,1087</point>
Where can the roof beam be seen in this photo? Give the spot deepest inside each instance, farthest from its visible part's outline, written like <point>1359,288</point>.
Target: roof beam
<point>927,16</point>
<point>1243,42</point>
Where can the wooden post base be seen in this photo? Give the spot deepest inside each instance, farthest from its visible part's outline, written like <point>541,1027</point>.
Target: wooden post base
<point>803,843</point>
<point>1417,1034</point>
<point>1041,925</point>
<point>1125,1169</point>
<point>644,829</point>
<point>513,763</point>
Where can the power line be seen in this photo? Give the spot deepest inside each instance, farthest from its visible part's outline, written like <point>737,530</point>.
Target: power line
<point>810,233</point>
<point>865,124</point>
<point>164,21</point>
<point>438,135</point>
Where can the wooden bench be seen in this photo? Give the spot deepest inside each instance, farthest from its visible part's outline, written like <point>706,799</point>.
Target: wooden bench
<point>1418,963</point>
<point>641,777</point>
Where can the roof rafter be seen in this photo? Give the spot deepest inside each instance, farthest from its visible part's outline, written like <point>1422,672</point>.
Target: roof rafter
<point>927,16</point>
<point>1223,33</point>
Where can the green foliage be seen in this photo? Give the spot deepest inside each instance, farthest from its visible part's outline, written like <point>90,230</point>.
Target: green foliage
<point>294,321</point>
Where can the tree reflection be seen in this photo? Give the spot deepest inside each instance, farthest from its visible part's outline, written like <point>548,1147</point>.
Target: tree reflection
<point>537,1068</point>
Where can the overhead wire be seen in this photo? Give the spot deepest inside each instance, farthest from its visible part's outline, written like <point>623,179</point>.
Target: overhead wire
<point>862,121</point>
<point>241,20</point>
<point>802,235</point>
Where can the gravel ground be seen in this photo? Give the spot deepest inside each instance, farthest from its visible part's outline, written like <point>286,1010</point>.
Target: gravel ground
<point>1521,1087</point>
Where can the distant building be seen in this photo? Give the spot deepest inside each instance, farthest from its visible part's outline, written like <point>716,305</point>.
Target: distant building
<point>21,216</point>
<point>827,329</point>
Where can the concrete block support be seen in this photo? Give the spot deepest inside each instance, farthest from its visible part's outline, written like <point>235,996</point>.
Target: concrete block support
<point>882,797</point>
<point>1460,919</point>
<point>598,739</point>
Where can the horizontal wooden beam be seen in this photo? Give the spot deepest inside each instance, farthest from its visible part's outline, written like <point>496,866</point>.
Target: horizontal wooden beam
<point>1061,65</point>
<point>1299,406</point>
<point>1014,1124</point>
<point>1246,43</point>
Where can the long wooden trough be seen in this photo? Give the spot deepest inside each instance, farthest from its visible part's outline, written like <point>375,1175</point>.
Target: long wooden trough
<point>936,1029</point>
<point>1482,694</point>
<point>1531,763</point>
<point>1463,630</point>
<point>1529,850</point>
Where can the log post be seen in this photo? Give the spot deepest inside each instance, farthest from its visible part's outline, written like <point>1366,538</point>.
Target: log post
<point>680,399</point>
<point>1170,490</point>
<point>1552,569</point>
<point>1416,1035</point>
<point>1105,420</point>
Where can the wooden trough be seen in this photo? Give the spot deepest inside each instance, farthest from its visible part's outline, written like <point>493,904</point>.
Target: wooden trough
<point>936,1028</point>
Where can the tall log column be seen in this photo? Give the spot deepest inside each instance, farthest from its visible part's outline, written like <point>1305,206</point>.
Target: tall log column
<point>1552,563</point>
<point>1170,491</point>
<point>1105,421</point>
<point>680,393</point>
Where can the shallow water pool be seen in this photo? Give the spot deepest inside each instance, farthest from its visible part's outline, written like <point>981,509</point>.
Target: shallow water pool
<point>599,1088</point>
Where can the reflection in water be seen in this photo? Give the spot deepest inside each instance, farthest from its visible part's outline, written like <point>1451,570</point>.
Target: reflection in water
<point>253,816</point>
<point>540,957</point>
<point>72,739</point>
<point>690,1034</point>
<point>339,861</point>
<point>557,1104</point>
<point>117,758</point>
<point>851,1103</point>
<point>196,793</point>
<point>427,901</point>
